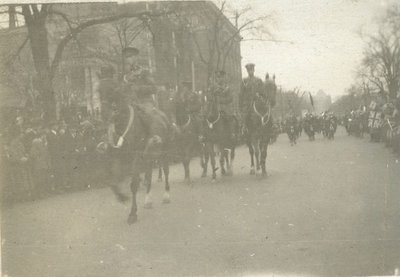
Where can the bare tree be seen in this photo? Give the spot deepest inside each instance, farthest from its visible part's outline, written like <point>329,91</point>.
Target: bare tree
<point>214,35</point>
<point>36,17</point>
<point>381,62</point>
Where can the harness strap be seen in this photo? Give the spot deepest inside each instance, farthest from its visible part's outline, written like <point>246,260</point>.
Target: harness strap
<point>262,116</point>
<point>188,122</point>
<point>211,124</point>
<point>128,127</point>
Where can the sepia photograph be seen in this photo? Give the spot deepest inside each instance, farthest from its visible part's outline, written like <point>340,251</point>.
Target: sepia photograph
<point>199,138</point>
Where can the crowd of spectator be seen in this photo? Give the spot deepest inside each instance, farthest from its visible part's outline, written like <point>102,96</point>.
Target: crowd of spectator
<point>380,120</point>
<point>41,158</point>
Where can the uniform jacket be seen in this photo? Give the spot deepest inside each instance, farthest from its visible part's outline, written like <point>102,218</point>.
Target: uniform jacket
<point>249,88</point>
<point>224,99</point>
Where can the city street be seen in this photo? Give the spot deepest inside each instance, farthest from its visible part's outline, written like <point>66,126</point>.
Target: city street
<point>327,208</point>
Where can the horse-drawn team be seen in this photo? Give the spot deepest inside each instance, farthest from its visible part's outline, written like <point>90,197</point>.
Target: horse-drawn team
<point>144,126</point>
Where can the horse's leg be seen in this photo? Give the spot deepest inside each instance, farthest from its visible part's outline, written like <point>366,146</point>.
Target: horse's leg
<point>205,158</point>
<point>116,174</point>
<point>186,162</point>
<point>165,165</point>
<point>160,172</point>
<point>256,143</point>
<point>232,159</point>
<point>148,203</point>
<point>251,151</point>
<point>222,161</point>
<point>134,187</point>
<point>210,150</point>
<point>229,161</point>
<point>264,149</point>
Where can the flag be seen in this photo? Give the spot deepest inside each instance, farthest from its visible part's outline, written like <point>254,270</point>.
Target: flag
<point>311,100</point>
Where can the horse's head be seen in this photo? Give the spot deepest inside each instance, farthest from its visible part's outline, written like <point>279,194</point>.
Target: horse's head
<point>262,109</point>
<point>111,100</point>
<point>262,103</point>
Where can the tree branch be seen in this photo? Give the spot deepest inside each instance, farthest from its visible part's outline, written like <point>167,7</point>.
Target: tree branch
<point>64,41</point>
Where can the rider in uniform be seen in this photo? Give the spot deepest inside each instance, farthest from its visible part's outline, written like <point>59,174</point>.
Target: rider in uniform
<point>224,98</point>
<point>251,87</point>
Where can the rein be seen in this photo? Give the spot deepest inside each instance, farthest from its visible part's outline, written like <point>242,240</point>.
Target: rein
<point>262,117</point>
<point>188,122</point>
<point>211,124</point>
<point>111,130</point>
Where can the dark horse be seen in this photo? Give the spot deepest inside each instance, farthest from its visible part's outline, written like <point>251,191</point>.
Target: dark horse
<point>259,133</point>
<point>135,151</point>
<point>188,137</point>
<point>218,138</point>
<point>187,131</point>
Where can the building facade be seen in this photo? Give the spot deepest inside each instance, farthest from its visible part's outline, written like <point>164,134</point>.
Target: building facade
<point>174,46</point>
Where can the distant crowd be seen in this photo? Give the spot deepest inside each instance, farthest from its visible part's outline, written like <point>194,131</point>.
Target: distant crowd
<point>381,121</point>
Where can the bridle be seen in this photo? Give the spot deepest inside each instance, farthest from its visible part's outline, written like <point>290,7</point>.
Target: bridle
<point>262,117</point>
<point>111,131</point>
<point>188,122</point>
<point>211,124</point>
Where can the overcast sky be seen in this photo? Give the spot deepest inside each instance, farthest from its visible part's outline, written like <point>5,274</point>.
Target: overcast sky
<point>326,48</point>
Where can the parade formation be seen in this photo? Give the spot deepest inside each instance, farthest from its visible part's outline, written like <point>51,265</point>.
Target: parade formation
<point>142,126</point>
<point>199,138</point>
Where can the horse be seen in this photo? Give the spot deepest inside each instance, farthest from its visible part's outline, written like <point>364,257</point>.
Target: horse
<point>187,141</point>
<point>218,138</point>
<point>259,134</point>
<point>135,151</point>
<point>187,131</point>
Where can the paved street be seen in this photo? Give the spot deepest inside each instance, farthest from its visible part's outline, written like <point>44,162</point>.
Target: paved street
<point>327,208</point>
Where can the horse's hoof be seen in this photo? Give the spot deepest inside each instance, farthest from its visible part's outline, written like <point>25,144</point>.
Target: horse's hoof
<point>203,175</point>
<point>166,198</point>
<point>132,219</point>
<point>148,205</point>
<point>122,198</point>
<point>213,180</point>
<point>252,172</point>
<point>264,174</point>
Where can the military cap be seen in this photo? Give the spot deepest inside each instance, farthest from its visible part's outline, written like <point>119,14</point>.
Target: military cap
<point>130,51</point>
<point>250,66</point>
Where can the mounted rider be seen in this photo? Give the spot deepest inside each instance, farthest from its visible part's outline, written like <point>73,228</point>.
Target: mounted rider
<point>224,101</point>
<point>137,89</point>
<point>251,87</point>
